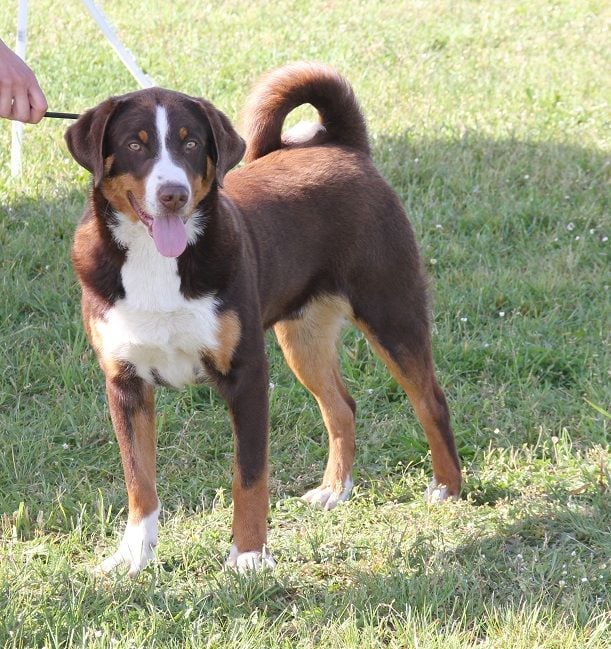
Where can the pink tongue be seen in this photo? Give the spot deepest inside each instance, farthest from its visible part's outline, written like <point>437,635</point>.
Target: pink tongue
<point>169,235</point>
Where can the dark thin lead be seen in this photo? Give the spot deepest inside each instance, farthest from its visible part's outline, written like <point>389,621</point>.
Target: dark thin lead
<point>62,115</point>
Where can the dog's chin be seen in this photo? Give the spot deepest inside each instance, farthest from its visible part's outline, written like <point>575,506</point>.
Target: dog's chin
<point>167,229</point>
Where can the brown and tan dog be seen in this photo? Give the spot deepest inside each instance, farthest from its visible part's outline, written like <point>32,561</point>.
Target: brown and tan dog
<point>184,265</point>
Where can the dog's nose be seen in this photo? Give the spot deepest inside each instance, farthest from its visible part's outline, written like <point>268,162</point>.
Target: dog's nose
<point>173,196</point>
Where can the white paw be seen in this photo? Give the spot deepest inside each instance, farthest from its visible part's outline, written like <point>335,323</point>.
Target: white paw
<point>437,493</point>
<point>245,562</point>
<point>326,497</point>
<point>137,546</point>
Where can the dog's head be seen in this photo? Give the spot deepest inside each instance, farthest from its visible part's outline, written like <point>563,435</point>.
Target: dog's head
<point>155,154</point>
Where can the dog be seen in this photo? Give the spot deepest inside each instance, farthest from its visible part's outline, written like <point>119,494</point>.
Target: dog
<point>183,264</point>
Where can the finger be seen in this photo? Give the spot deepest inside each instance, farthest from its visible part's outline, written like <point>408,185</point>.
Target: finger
<point>21,106</point>
<point>38,104</point>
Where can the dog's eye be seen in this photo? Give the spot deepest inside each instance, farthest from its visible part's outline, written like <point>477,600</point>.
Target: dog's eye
<point>135,146</point>
<point>190,145</point>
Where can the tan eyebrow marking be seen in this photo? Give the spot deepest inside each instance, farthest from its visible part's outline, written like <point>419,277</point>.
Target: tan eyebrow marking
<point>182,134</point>
<point>144,136</point>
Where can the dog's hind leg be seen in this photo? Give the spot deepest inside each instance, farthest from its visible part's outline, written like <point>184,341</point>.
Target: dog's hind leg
<point>400,336</point>
<point>309,344</point>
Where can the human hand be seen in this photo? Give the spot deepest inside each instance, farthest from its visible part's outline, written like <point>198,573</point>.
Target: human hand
<point>21,98</point>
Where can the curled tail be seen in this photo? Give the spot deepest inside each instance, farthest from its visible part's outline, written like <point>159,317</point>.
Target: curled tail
<point>282,90</point>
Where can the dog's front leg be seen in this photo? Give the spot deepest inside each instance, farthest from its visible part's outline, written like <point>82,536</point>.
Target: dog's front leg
<point>246,393</point>
<point>132,409</point>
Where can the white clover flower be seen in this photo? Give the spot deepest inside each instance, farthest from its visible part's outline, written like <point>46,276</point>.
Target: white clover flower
<point>570,226</point>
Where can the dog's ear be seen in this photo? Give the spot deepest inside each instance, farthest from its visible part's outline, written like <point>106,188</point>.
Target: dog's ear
<point>85,138</point>
<point>228,144</point>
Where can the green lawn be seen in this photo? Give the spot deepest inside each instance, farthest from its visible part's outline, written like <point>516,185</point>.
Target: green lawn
<point>492,121</point>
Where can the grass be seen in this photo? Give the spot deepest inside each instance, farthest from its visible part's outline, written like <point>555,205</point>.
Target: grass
<point>491,120</point>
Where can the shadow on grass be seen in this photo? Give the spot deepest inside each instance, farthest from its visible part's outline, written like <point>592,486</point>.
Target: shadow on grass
<point>550,561</point>
<point>518,187</point>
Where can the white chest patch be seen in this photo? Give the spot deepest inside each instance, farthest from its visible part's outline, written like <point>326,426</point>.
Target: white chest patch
<point>155,328</point>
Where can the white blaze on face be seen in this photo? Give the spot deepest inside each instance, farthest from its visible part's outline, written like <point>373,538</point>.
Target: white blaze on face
<point>165,170</point>
<point>168,230</point>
